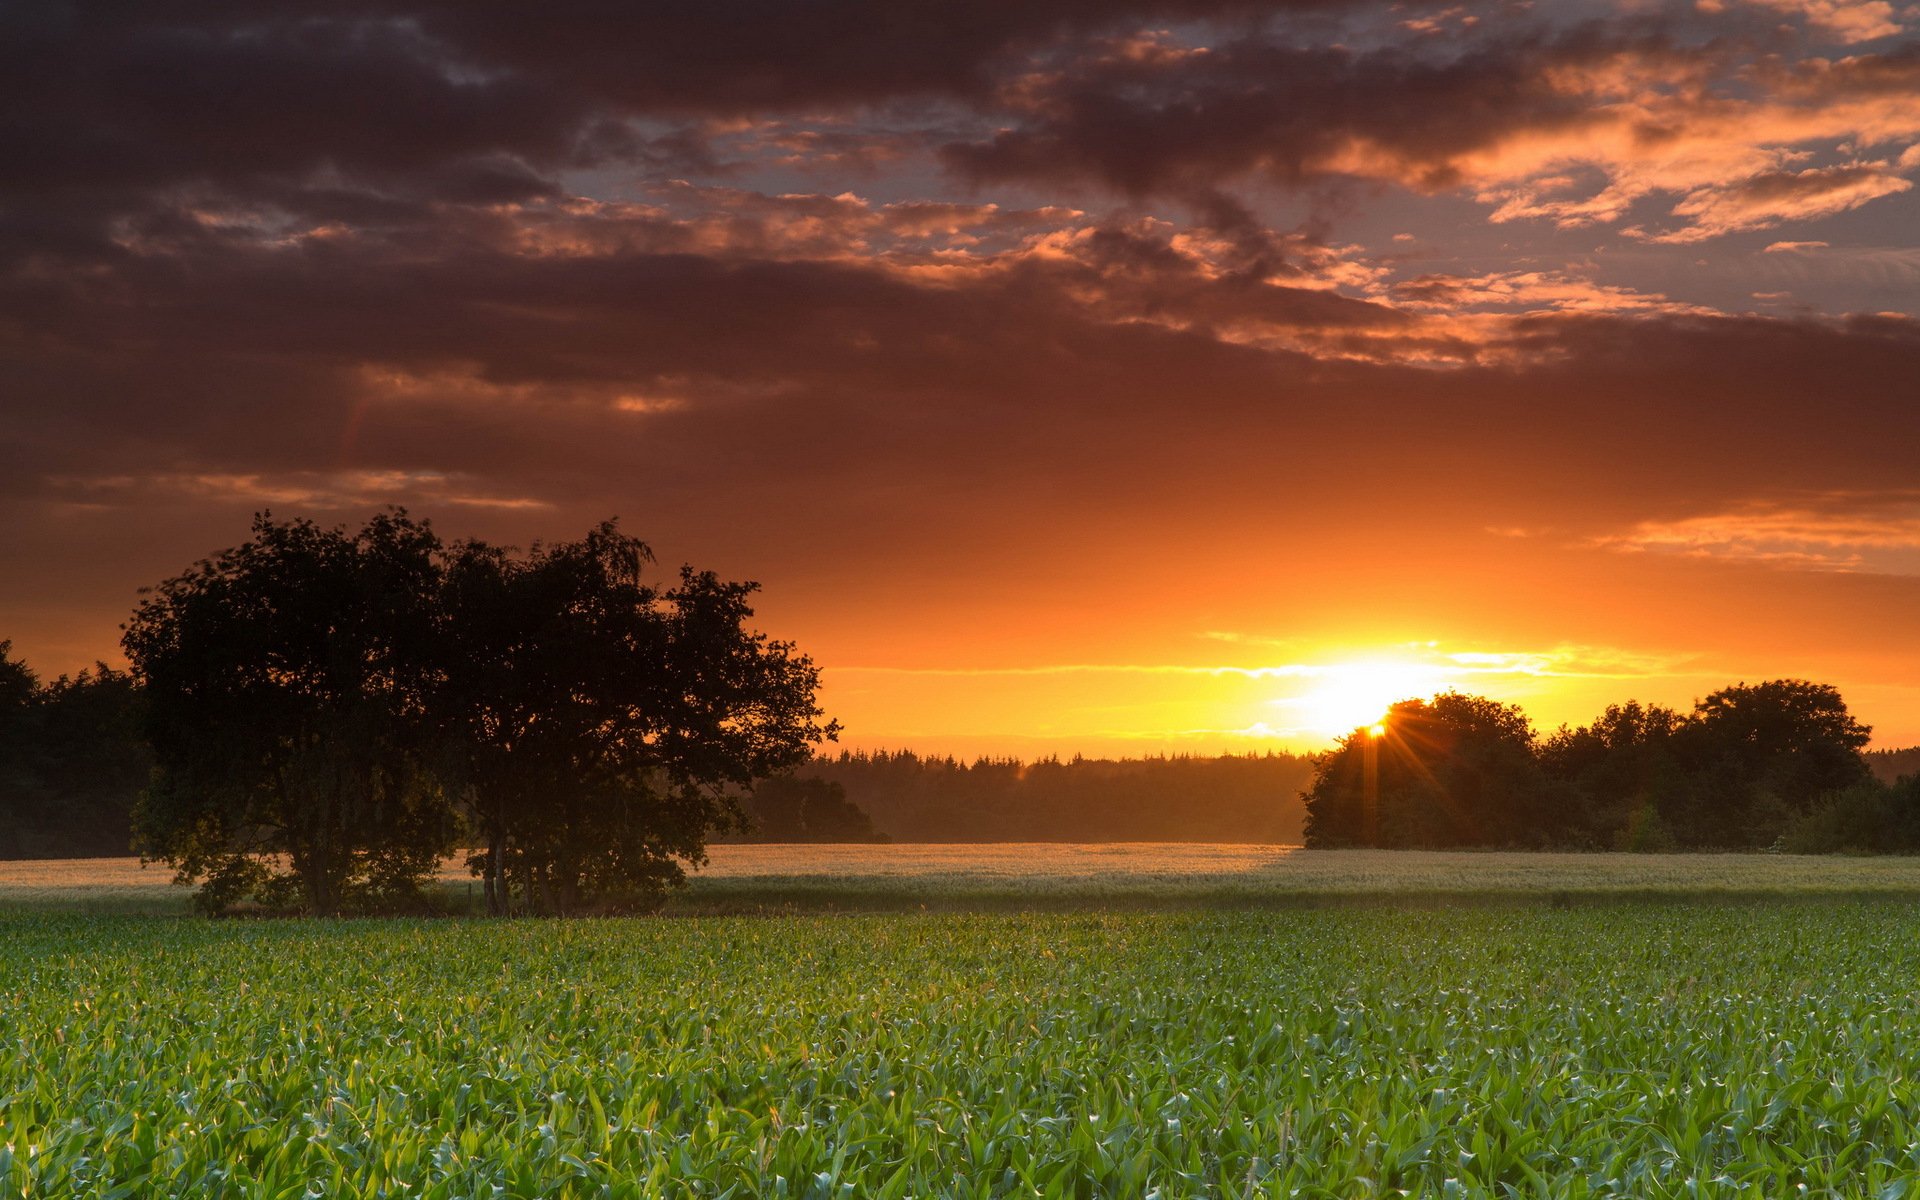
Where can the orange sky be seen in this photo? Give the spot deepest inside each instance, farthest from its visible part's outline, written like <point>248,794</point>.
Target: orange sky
<point>1106,378</point>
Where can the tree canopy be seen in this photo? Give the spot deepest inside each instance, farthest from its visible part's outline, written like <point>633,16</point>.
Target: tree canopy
<point>288,687</point>
<point>331,712</point>
<point>598,725</point>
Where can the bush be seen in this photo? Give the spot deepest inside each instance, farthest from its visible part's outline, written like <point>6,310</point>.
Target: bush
<point>1867,818</point>
<point>1646,833</point>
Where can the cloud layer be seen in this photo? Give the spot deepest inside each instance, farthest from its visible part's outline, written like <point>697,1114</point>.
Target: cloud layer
<point>1011,296</point>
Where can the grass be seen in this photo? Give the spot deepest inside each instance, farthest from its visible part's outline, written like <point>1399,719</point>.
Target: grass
<point>754,878</point>
<point>1639,1050</point>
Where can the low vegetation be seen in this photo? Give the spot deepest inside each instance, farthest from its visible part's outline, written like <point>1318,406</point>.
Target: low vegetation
<point>1639,1051</point>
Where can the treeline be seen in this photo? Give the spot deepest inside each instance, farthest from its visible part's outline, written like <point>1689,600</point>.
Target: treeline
<point>1775,765</point>
<point>73,758</point>
<point>1889,766</point>
<point>915,798</point>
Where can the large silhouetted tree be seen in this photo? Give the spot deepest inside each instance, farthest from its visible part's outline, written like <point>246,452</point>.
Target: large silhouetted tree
<point>597,725</point>
<point>287,683</point>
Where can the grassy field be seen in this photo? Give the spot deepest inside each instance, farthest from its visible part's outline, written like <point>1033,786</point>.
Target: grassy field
<point>1643,1050</point>
<point>1111,875</point>
<point>1167,1021</point>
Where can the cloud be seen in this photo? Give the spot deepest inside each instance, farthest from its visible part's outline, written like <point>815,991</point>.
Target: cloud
<point>303,489</point>
<point>1848,531</point>
<point>1847,21</point>
<point>1187,118</point>
<point>1573,126</point>
<point>1764,201</point>
<point>1535,291</point>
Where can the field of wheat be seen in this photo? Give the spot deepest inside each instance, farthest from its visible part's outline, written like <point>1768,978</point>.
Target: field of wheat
<point>747,877</point>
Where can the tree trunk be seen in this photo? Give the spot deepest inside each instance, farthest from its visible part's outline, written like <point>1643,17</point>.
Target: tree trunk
<point>496,881</point>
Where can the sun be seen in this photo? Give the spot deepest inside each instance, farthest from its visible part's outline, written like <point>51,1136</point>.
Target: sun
<point>1353,695</point>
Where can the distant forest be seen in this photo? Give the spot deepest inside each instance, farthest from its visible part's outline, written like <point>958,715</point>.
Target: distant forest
<point>1890,766</point>
<point>1232,798</point>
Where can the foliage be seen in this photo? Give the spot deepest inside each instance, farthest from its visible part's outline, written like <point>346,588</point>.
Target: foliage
<point>788,808</point>
<point>1454,771</point>
<point>287,681</point>
<point>595,724</point>
<point>1619,772</point>
<point>324,706</point>
<point>1746,764</point>
<point>72,757</point>
<point>1638,1051</point>
<point>1870,817</point>
<point>1760,755</point>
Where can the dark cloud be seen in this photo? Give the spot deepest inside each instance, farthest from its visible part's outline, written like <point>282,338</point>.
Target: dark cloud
<point>544,376</point>
<point>1155,119</point>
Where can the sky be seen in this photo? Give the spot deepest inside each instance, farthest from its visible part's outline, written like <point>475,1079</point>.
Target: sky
<point>1076,376</point>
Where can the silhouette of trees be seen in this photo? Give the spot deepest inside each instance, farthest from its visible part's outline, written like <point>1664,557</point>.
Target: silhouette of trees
<point>72,758</point>
<point>596,724</point>
<point>1751,762</point>
<point>1890,766</point>
<point>1869,817</point>
<point>19,780</point>
<point>1758,756</point>
<point>332,713</point>
<point>319,716</point>
<point>933,798</point>
<point>1456,770</point>
<point>1619,776</point>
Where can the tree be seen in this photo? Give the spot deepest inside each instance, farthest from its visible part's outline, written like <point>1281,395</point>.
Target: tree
<point>1620,773</point>
<point>595,725</point>
<point>1457,770</point>
<point>287,681</point>
<point>21,785</point>
<point>788,808</point>
<point>1760,755</point>
<point>72,757</point>
<point>94,761</point>
<point>1868,817</point>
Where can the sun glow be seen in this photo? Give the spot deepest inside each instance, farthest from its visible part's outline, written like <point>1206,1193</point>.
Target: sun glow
<point>1355,695</point>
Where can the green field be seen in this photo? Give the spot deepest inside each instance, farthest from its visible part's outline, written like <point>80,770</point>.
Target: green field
<point>1619,1049</point>
<point>1179,1020</point>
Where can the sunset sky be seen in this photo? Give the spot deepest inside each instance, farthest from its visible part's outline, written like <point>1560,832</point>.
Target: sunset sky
<point>1105,376</point>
